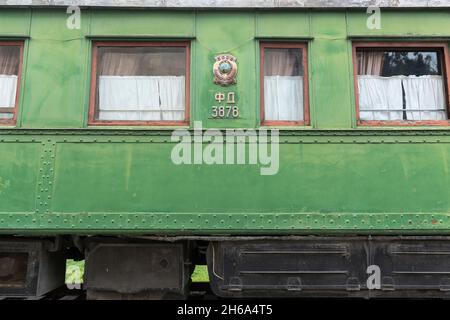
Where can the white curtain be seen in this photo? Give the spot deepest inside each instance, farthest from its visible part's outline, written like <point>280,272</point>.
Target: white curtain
<point>377,94</point>
<point>8,89</point>
<point>172,97</point>
<point>141,98</point>
<point>283,98</point>
<point>425,93</point>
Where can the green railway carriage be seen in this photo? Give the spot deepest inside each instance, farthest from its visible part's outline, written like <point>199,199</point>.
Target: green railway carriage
<point>334,166</point>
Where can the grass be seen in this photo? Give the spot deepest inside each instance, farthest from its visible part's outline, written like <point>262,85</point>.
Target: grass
<point>75,272</point>
<point>200,274</point>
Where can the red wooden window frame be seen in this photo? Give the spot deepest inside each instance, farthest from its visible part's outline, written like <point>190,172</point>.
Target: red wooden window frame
<point>93,90</point>
<point>401,46</point>
<point>19,44</point>
<point>286,45</point>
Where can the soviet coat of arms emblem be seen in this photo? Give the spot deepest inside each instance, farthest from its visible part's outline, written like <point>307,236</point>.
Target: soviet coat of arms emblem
<point>225,70</point>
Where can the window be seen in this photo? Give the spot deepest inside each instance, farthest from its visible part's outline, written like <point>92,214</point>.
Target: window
<point>401,84</point>
<point>140,84</point>
<point>10,69</point>
<point>284,84</point>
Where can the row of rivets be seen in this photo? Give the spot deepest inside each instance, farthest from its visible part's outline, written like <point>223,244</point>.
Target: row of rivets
<point>220,222</point>
<point>45,178</point>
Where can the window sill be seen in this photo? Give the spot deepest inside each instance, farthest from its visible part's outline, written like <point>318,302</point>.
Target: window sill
<point>136,128</point>
<point>404,124</point>
<point>404,128</point>
<point>287,128</point>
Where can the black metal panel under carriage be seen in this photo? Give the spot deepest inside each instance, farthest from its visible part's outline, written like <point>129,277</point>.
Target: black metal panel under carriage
<point>332,267</point>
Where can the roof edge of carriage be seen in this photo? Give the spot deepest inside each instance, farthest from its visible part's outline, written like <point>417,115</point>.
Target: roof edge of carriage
<point>229,4</point>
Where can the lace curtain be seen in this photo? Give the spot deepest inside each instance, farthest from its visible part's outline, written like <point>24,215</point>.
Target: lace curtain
<point>398,97</point>
<point>283,85</point>
<point>142,84</point>
<point>9,70</point>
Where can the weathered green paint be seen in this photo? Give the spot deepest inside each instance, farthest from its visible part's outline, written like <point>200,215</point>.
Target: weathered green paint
<point>57,175</point>
<point>226,223</point>
<point>293,23</point>
<point>15,22</point>
<point>404,23</point>
<point>331,87</point>
<point>56,73</point>
<point>322,177</point>
<point>18,176</point>
<point>215,35</point>
<point>145,22</point>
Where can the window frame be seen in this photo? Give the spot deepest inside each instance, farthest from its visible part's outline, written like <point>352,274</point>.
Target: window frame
<point>285,45</point>
<point>21,45</point>
<point>93,86</point>
<point>402,46</point>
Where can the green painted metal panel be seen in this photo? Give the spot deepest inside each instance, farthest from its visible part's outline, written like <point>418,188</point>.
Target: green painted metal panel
<point>283,24</point>
<point>14,22</point>
<point>346,179</point>
<point>216,34</point>
<point>361,178</point>
<point>327,182</point>
<point>145,22</point>
<point>56,76</point>
<point>332,99</point>
<point>19,167</point>
<point>405,23</point>
<point>225,223</point>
